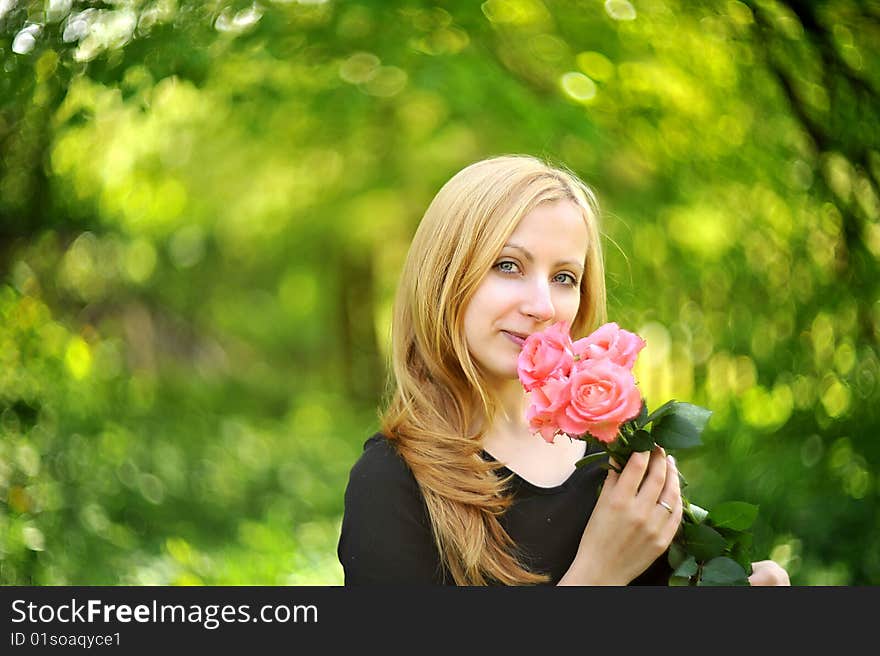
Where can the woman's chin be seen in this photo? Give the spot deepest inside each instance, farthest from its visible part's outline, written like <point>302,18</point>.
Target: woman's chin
<point>502,370</point>
<point>505,376</point>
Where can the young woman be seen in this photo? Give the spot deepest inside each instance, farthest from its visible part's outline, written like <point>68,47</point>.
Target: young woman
<point>455,489</point>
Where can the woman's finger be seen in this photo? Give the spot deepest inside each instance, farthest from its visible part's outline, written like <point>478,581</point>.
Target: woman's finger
<point>632,475</point>
<point>670,504</point>
<point>612,476</point>
<point>768,572</point>
<point>655,477</point>
<point>671,492</point>
<point>673,519</point>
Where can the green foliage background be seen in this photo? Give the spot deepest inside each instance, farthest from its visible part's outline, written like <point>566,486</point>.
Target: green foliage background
<point>204,207</point>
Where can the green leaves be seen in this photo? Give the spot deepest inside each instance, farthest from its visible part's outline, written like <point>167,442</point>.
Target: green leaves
<point>712,547</point>
<point>688,568</point>
<point>677,555</point>
<point>679,426</point>
<point>736,515</point>
<point>660,412</point>
<point>678,581</point>
<point>703,542</point>
<point>723,571</point>
<point>641,441</point>
<point>642,419</point>
<point>674,425</point>
<point>741,550</point>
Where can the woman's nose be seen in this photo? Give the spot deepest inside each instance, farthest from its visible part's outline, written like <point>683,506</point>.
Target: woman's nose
<point>538,303</point>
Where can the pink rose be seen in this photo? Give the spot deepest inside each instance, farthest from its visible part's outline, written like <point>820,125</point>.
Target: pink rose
<point>543,423</point>
<point>603,396</point>
<point>610,341</point>
<point>547,402</point>
<point>544,355</point>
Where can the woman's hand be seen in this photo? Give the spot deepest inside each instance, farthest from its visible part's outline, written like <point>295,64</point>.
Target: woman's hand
<point>768,572</point>
<point>629,528</point>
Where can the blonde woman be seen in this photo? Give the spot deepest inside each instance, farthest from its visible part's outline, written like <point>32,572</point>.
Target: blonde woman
<point>455,489</point>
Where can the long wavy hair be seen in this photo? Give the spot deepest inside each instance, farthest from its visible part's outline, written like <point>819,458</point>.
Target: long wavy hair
<point>439,402</point>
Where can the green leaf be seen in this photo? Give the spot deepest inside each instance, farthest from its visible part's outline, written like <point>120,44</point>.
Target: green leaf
<point>593,457</point>
<point>703,542</point>
<point>682,481</point>
<point>744,540</point>
<point>661,411</point>
<point>688,568</point>
<point>742,551</point>
<point>607,466</point>
<point>723,571</point>
<point>695,414</point>
<point>736,515</point>
<point>677,555</point>
<point>682,427</point>
<point>678,581</point>
<point>641,441</point>
<point>642,418</point>
<point>619,452</point>
<point>699,514</point>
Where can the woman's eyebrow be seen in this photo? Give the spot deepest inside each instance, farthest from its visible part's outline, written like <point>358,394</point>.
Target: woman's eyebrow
<point>530,257</point>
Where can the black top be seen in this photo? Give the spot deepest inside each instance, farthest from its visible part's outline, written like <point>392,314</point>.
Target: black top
<point>386,532</point>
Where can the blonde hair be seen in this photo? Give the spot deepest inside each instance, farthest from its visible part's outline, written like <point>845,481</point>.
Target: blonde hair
<point>437,390</point>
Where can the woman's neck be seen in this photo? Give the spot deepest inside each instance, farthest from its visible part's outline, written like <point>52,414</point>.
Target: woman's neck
<point>509,430</point>
<point>509,440</point>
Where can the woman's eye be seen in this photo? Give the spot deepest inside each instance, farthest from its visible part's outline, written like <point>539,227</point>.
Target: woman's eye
<point>506,267</point>
<point>566,279</point>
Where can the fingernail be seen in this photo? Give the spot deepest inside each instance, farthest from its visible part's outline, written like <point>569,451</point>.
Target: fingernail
<point>672,460</point>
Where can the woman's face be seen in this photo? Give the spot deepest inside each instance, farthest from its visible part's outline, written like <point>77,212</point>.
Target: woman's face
<point>534,283</point>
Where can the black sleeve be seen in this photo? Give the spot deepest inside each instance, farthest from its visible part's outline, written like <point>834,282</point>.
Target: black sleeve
<point>658,572</point>
<point>386,533</point>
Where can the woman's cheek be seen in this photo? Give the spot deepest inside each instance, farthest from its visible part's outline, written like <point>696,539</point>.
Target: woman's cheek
<point>567,308</point>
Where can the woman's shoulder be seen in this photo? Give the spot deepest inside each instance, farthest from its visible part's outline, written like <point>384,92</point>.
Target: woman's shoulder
<point>380,463</point>
<point>386,534</point>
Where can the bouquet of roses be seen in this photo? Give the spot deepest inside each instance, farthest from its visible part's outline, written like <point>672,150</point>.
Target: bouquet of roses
<point>586,390</point>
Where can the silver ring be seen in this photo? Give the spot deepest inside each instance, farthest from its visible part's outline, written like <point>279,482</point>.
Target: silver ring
<point>665,505</point>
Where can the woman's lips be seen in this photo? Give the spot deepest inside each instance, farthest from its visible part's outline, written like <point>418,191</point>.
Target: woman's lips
<point>516,339</point>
